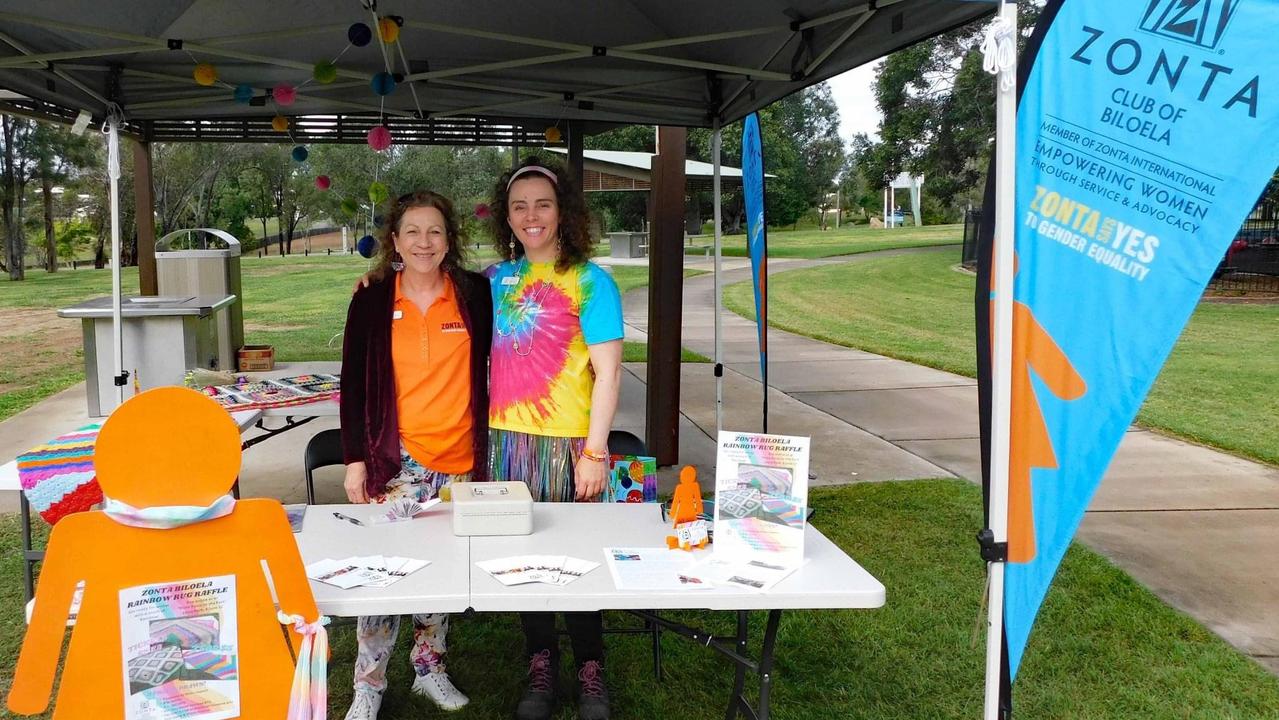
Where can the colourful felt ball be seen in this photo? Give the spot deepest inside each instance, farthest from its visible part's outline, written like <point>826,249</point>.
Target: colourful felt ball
<point>553,134</point>
<point>366,246</point>
<point>350,206</point>
<point>284,94</point>
<point>322,182</point>
<point>482,211</point>
<point>378,220</point>
<point>279,123</point>
<point>359,34</point>
<point>378,192</point>
<point>379,138</point>
<point>325,72</point>
<point>383,83</point>
<point>388,29</point>
<point>243,94</point>
<point>205,74</point>
<point>300,153</point>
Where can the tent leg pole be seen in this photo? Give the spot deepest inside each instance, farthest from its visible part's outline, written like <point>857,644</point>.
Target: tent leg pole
<point>717,138</point>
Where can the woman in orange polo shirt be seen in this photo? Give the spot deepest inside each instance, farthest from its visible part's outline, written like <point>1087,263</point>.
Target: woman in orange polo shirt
<point>414,407</point>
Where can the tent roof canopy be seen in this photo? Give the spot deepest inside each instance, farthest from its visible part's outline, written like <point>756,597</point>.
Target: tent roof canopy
<point>664,62</point>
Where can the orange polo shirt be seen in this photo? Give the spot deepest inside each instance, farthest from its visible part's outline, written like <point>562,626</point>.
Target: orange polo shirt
<point>431,354</point>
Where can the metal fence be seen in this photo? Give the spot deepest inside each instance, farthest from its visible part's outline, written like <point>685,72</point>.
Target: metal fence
<point>1252,262</point>
<point>1250,265</point>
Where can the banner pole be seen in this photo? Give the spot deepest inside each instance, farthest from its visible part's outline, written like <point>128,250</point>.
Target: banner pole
<point>1004,30</point>
<point>717,136</point>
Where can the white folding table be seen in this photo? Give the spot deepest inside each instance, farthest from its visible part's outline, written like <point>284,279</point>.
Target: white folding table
<point>441,586</point>
<point>828,579</point>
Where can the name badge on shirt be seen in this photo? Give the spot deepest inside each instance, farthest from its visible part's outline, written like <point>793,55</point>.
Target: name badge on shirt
<point>511,280</point>
<point>397,314</point>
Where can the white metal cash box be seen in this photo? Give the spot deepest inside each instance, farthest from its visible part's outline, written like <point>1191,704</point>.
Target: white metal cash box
<point>492,508</point>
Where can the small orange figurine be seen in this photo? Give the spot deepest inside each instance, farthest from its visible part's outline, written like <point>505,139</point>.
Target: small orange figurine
<point>686,506</point>
<point>162,453</point>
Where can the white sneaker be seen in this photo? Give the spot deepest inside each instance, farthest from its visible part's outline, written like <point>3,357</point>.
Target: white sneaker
<point>365,704</point>
<point>438,687</point>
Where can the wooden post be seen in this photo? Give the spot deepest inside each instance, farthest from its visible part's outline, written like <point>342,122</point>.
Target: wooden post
<point>665,294</point>
<point>576,140</point>
<point>144,217</point>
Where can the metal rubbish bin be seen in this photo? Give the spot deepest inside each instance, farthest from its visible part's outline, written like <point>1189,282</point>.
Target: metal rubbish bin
<point>205,262</point>
<point>627,244</point>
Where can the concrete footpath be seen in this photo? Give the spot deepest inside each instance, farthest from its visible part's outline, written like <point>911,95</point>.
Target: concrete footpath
<point>1198,527</point>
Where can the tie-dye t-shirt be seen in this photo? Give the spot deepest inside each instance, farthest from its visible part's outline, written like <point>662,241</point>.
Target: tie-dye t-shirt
<point>540,377</point>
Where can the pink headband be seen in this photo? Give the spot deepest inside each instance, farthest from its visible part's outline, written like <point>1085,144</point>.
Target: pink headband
<point>533,168</point>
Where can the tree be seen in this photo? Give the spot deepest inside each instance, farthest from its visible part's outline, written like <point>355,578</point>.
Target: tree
<point>58,154</point>
<point>185,177</point>
<point>16,167</point>
<point>938,116</point>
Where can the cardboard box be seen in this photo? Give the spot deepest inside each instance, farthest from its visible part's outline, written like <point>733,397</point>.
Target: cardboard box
<point>253,358</point>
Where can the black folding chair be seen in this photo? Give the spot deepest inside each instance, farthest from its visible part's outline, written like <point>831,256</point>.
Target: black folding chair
<point>323,450</point>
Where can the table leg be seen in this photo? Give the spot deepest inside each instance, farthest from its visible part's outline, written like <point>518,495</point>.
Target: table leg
<point>766,662</point>
<point>657,649</point>
<point>739,681</point>
<point>267,433</point>
<point>27,575</point>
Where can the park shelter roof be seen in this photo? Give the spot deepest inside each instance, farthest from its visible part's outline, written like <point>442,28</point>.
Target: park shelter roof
<point>481,68</point>
<point>620,170</point>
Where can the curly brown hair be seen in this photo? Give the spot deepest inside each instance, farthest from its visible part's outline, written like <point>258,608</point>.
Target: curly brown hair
<point>454,257</point>
<point>576,245</point>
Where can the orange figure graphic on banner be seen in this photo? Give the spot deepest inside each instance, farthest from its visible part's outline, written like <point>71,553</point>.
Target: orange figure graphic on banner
<point>172,541</point>
<point>1030,445</point>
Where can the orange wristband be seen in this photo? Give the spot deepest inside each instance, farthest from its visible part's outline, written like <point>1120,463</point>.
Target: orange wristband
<point>594,456</point>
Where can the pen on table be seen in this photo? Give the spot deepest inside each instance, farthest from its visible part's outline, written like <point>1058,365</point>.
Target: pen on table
<point>348,518</point>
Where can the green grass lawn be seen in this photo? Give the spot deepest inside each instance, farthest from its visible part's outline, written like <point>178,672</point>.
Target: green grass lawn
<point>848,240</point>
<point>1216,388</point>
<point>1105,647</point>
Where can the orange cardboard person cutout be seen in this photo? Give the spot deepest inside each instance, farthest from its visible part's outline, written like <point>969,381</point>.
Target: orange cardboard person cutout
<point>686,506</point>
<point>166,447</point>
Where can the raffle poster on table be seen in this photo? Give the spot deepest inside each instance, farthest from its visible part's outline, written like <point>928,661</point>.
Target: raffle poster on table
<point>761,498</point>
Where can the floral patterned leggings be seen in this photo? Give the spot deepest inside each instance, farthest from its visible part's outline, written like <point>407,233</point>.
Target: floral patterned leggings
<point>376,634</point>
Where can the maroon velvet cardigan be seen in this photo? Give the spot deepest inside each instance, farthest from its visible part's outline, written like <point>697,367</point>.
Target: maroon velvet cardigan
<point>370,428</point>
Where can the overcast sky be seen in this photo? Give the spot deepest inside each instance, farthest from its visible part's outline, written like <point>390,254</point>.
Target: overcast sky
<point>856,100</point>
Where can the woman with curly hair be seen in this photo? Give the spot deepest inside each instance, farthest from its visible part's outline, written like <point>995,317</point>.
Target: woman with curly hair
<point>414,407</point>
<point>555,372</point>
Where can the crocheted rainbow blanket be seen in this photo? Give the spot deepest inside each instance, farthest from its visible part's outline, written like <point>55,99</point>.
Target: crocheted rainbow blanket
<point>58,478</point>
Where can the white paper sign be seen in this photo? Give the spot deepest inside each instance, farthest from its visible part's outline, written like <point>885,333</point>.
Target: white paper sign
<point>181,650</point>
<point>653,568</point>
<point>761,498</point>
